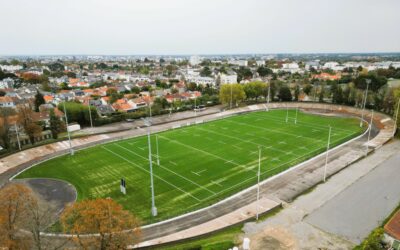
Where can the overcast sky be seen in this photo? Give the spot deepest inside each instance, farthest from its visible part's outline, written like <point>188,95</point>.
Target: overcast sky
<point>198,26</point>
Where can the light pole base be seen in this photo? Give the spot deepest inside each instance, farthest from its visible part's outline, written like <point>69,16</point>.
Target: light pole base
<point>154,211</point>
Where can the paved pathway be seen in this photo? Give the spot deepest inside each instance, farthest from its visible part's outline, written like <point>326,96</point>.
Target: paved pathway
<point>290,229</point>
<point>355,212</point>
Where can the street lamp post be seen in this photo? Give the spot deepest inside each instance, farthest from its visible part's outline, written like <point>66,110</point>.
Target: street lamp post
<point>327,152</point>
<point>16,131</point>
<point>147,122</point>
<point>396,117</point>
<point>90,116</point>
<point>365,101</point>
<point>295,119</point>
<point>66,124</point>
<point>369,132</point>
<point>269,91</point>
<point>258,182</point>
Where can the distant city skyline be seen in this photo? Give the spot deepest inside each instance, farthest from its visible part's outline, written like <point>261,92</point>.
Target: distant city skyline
<point>198,27</point>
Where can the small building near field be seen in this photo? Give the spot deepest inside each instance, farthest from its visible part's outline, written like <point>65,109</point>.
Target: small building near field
<point>392,231</point>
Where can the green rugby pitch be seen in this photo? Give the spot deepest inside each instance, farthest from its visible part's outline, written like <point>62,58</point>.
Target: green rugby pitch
<point>199,164</point>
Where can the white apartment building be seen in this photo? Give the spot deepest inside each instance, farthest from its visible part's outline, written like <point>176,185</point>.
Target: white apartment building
<point>242,63</point>
<point>195,60</point>
<point>7,83</point>
<point>228,78</point>
<point>260,63</point>
<point>290,67</point>
<point>10,68</point>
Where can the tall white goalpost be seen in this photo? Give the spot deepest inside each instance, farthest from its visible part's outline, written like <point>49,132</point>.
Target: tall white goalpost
<point>258,182</point>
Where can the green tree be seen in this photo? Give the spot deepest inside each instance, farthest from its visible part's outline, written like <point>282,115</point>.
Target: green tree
<point>284,94</point>
<point>232,94</point>
<point>56,125</point>
<point>39,100</point>
<point>206,71</point>
<point>296,93</point>
<point>307,89</point>
<point>264,71</point>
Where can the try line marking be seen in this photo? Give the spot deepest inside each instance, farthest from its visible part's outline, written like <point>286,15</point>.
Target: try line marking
<point>183,177</point>
<point>138,166</point>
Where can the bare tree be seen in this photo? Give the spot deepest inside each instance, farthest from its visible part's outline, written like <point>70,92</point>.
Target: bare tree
<point>106,219</point>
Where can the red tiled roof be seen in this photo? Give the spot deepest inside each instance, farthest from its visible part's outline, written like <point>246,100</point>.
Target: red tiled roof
<point>393,226</point>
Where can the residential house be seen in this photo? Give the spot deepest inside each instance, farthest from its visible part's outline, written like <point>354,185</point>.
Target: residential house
<point>7,102</point>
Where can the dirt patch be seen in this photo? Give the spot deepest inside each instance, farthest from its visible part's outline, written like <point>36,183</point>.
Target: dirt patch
<point>276,238</point>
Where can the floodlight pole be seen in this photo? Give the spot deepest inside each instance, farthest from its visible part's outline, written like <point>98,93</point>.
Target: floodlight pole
<point>269,91</point>
<point>90,116</point>
<point>295,120</point>
<point>153,205</point>
<point>365,101</point>
<point>231,97</point>
<point>396,117</point>
<point>158,156</point>
<point>258,182</point>
<point>195,107</point>
<point>327,152</point>
<point>287,113</point>
<point>69,136</point>
<point>16,131</point>
<point>369,132</point>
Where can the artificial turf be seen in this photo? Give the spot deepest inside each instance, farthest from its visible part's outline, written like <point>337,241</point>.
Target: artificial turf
<point>199,164</point>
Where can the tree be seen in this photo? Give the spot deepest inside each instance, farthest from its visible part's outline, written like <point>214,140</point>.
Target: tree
<point>22,217</point>
<point>296,93</point>
<point>5,116</point>
<point>56,125</point>
<point>264,71</point>
<point>307,89</point>
<point>25,117</point>
<point>104,217</point>
<point>254,90</point>
<point>321,94</point>
<point>2,93</point>
<point>231,94</point>
<point>15,200</point>
<point>284,94</point>
<point>206,71</point>
<point>39,100</point>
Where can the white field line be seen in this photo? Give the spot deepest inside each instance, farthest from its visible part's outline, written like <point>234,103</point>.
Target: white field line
<point>202,151</point>
<point>173,163</point>
<point>269,170</point>
<point>306,124</point>
<point>183,177</point>
<point>149,173</point>
<point>246,141</point>
<point>271,130</point>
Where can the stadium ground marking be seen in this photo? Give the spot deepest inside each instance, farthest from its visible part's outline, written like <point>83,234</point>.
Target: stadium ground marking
<point>307,124</point>
<point>173,163</point>
<point>237,147</point>
<point>269,170</point>
<point>205,152</point>
<point>222,142</point>
<point>149,173</point>
<point>273,130</point>
<point>198,173</point>
<point>231,161</point>
<point>183,177</point>
<point>216,183</point>
<point>247,141</point>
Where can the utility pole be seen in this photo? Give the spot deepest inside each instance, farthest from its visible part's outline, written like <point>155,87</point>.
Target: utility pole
<point>90,116</point>
<point>287,113</point>
<point>368,81</point>
<point>153,205</point>
<point>69,136</point>
<point>16,131</point>
<point>396,117</point>
<point>231,96</point>
<point>327,152</point>
<point>369,132</point>
<point>258,182</point>
<point>158,155</point>
<point>269,91</point>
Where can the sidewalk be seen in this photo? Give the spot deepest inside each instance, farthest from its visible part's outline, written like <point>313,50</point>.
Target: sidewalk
<point>290,229</point>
